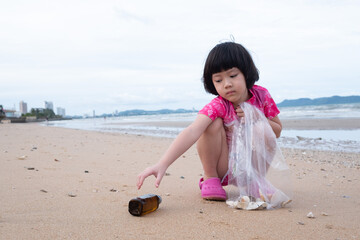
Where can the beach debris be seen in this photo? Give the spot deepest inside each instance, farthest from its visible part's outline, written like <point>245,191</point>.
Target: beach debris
<point>306,138</point>
<point>247,204</point>
<point>34,148</point>
<point>344,196</point>
<point>56,160</point>
<point>310,215</point>
<point>72,194</point>
<point>5,151</point>
<point>95,190</point>
<point>113,190</point>
<point>86,171</point>
<point>201,211</point>
<point>44,191</point>
<point>22,157</point>
<point>167,194</point>
<point>182,177</point>
<point>301,223</point>
<point>167,174</point>
<point>30,168</point>
<point>324,214</point>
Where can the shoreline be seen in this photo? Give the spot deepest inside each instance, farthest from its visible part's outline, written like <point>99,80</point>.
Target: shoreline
<point>339,135</point>
<point>288,124</point>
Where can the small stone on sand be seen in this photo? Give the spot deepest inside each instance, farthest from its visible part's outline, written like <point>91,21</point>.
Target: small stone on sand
<point>310,215</point>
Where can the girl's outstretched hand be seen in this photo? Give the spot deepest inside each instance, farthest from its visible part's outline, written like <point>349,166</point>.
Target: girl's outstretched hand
<point>157,170</point>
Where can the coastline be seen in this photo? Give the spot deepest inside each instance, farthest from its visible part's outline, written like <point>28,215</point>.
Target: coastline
<point>335,134</point>
<point>296,124</point>
<point>99,169</point>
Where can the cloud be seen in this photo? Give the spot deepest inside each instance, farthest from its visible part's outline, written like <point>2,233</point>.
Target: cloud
<point>117,55</point>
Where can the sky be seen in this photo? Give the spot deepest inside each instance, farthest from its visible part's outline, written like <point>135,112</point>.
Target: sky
<point>114,55</point>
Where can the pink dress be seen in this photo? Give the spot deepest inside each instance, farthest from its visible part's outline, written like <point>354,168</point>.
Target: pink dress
<point>222,108</point>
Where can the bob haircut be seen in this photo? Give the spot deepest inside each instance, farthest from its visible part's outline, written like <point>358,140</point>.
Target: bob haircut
<point>225,56</point>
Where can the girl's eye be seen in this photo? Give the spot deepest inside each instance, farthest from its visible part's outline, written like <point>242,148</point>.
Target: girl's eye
<point>233,76</point>
<point>217,80</point>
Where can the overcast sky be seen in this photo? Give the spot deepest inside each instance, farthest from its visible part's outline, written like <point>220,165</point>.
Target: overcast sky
<point>119,55</point>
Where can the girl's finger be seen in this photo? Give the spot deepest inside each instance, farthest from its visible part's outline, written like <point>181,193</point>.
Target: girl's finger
<point>140,181</point>
<point>158,180</point>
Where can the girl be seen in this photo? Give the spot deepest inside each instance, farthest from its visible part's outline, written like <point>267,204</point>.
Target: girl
<point>229,73</point>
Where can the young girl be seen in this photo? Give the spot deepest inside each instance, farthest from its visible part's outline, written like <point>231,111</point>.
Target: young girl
<point>230,74</point>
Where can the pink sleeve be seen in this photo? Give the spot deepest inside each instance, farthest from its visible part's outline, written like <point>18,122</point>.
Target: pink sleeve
<point>270,108</point>
<point>214,109</point>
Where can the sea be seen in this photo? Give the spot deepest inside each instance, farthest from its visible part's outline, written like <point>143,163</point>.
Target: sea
<point>156,125</point>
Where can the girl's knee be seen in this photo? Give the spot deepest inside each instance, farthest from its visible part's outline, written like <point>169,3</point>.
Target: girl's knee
<point>216,127</point>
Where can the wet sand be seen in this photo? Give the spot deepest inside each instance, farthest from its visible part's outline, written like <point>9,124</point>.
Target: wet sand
<point>295,124</point>
<point>99,171</point>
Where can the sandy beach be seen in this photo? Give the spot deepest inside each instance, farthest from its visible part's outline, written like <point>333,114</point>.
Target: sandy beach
<point>59,183</point>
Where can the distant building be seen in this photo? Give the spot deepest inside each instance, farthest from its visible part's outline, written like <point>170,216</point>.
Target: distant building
<point>49,105</point>
<point>60,111</point>
<point>39,110</point>
<point>23,107</point>
<point>10,113</point>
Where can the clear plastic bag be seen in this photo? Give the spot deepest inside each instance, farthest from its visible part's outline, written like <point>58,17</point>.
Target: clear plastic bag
<point>258,175</point>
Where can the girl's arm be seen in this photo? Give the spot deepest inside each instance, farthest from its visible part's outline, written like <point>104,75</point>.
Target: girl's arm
<point>276,125</point>
<point>180,145</point>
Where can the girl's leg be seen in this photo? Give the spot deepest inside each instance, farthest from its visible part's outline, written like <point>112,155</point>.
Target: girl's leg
<point>213,150</point>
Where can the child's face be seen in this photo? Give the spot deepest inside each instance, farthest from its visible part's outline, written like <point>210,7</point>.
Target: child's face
<point>231,85</point>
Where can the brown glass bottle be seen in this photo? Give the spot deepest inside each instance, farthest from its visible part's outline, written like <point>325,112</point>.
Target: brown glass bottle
<point>144,204</point>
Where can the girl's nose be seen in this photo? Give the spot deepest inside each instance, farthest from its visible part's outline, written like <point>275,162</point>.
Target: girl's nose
<point>228,82</point>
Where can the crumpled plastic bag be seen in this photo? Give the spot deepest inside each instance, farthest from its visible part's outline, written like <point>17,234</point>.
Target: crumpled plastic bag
<point>258,175</point>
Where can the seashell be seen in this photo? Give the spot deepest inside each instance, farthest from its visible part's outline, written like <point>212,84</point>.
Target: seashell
<point>22,157</point>
<point>243,203</point>
<point>310,215</point>
<point>324,214</point>
<point>72,195</point>
<point>256,205</point>
<point>244,199</point>
<point>232,204</point>
<point>283,204</point>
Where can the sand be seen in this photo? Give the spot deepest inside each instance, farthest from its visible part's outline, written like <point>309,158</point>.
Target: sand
<point>293,124</point>
<point>99,170</point>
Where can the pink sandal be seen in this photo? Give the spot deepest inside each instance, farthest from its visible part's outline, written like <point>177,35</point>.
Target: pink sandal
<point>211,189</point>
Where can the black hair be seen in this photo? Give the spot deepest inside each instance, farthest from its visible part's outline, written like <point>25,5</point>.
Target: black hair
<point>225,56</point>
